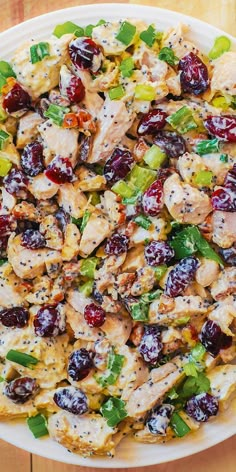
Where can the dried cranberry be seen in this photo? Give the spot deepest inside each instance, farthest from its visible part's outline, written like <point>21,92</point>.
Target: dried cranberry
<point>116,244</point>
<point>171,143</point>
<point>118,165</point>
<point>158,252</point>
<point>223,127</point>
<point>60,170</point>
<point>63,219</point>
<point>229,255</point>
<point>16,183</point>
<point>230,179</point>
<point>165,172</point>
<point>16,99</point>
<point>7,225</point>
<point>213,339</point>
<point>16,317</point>
<point>159,419</point>
<point>202,406</point>
<point>75,90</point>
<point>86,54</point>
<point>153,199</point>
<point>151,346</point>
<point>71,399</point>
<point>96,294</point>
<point>32,239</point>
<point>194,74</point>
<point>80,364</point>
<point>32,159</point>
<point>21,390</point>
<point>224,199</point>
<point>181,276</point>
<point>151,122</point>
<point>94,315</point>
<point>48,322</point>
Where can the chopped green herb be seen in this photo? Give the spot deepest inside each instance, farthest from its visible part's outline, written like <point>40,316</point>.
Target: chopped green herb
<point>38,426</point>
<point>114,411</point>
<point>172,394</point>
<point>3,140</point>
<point>67,28</point>
<point>143,221</point>
<point>87,288</point>
<point>182,120</point>
<point>127,67</point>
<point>190,369</point>
<point>168,55</point>
<point>222,44</point>
<point>114,367</point>
<point>38,52</point>
<point>148,36</point>
<point>160,271</point>
<point>126,33</point>
<point>2,261</point>
<point>84,221</point>
<point>5,165</point>
<point>141,178</point>
<point>195,385</point>
<point>76,221</point>
<point>224,158</point>
<point>179,426</point>
<point>198,352</point>
<point>203,178</point>
<point>154,157</point>
<point>116,93</point>
<point>131,200</point>
<point>207,146</point>
<point>88,267</point>
<point>145,92</point>
<point>21,358</point>
<point>56,113</point>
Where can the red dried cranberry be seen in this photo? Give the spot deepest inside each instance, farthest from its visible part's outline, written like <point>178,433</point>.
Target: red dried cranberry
<point>21,390</point>
<point>71,399</point>
<point>223,127</point>
<point>60,170</point>
<point>159,419</point>
<point>75,90</point>
<point>158,252</point>
<point>48,322</point>
<point>86,54</point>
<point>80,364</point>
<point>213,339</point>
<point>202,406</point>
<point>181,276</point>
<point>165,172</point>
<point>230,179</point>
<point>224,199</point>
<point>7,225</point>
<point>229,255</point>
<point>153,200</point>
<point>32,239</point>
<point>32,159</point>
<point>116,244</point>
<point>118,165</point>
<point>194,74</point>
<point>151,122</point>
<point>63,219</point>
<point>171,143</point>
<point>16,317</point>
<point>16,183</point>
<point>151,346</point>
<point>94,315</point>
<point>16,99</point>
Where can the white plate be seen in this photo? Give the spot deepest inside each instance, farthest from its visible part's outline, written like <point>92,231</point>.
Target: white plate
<point>129,453</point>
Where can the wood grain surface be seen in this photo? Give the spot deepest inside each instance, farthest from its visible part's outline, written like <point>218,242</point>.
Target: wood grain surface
<point>221,13</point>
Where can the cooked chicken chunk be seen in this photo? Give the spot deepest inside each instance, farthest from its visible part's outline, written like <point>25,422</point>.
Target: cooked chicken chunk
<point>72,200</point>
<point>188,165</point>
<point>52,233</point>
<point>89,181</point>
<point>224,313</point>
<point>112,207</point>
<point>42,188</point>
<point>207,272</point>
<point>224,74</point>
<point>175,39</point>
<point>8,202</point>
<point>225,284</point>
<point>96,230</point>
<point>224,228</point>
<point>157,231</point>
<point>168,310</point>
<point>185,203</point>
<point>70,248</point>
<point>12,290</point>
<point>58,141</point>
<point>135,259</point>
<point>105,35</point>
<point>86,434</point>
<point>79,326</point>
<point>28,129</point>
<point>218,167</point>
<point>9,150</point>
<point>223,384</point>
<point>10,410</point>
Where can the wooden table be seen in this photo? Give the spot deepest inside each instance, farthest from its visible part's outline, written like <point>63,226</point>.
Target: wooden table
<point>221,13</point>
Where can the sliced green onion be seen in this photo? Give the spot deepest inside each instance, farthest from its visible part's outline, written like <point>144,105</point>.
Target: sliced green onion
<point>56,113</point>
<point>179,426</point>
<point>5,166</point>
<point>127,67</point>
<point>141,178</point>
<point>150,296</point>
<point>38,52</point>
<point>67,28</point>
<point>126,33</point>
<point>88,30</point>
<point>207,146</point>
<point>143,221</point>
<point>154,157</point>
<point>139,311</point>
<point>145,92</point>
<point>172,394</point>
<point>182,120</point>
<point>114,367</point>
<point>190,369</point>
<point>203,177</point>
<point>38,426</point>
<point>87,288</point>
<point>222,44</point>
<point>198,352</point>
<point>148,36</point>
<point>5,72</point>
<point>131,200</point>
<point>85,219</point>
<point>3,139</point>
<point>2,261</point>
<point>182,321</point>
<point>224,158</point>
<point>167,54</point>
<point>116,93</point>
<point>88,267</point>
<point>160,271</point>
<point>114,411</point>
<point>122,189</point>
<point>21,358</point>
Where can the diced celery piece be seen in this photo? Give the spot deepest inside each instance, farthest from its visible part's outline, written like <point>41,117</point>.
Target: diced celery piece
<point>222,44</point>
<point>221,102</point>
<point>141,178</point>
<point>116,93</point>
<point>182,120</point>
<point>154,157</point>
<point>87,288</point>
<point>182,321</point>
<point>160,271</point>
<point>5,166</point>
<point>122,189</point>
<point>88,267</point>
<point>203,177</point>
<point>144,92</point>
<point>95,198</point>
